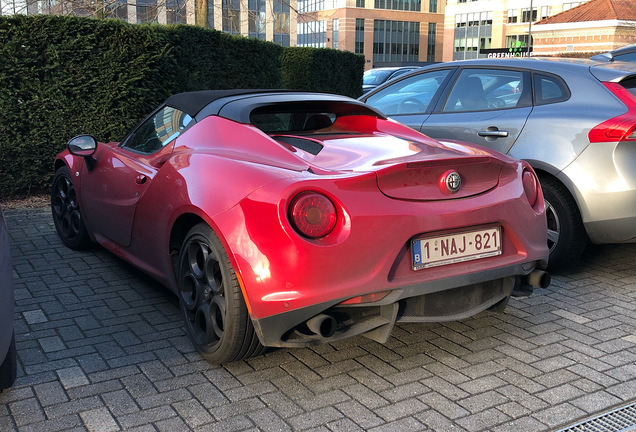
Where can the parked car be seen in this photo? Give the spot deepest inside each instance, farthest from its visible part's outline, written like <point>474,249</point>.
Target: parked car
<point>8,356</point>
<point>290,219</point>
<point>626,53</point>
<point>572,120</point>
<point>374,77</point>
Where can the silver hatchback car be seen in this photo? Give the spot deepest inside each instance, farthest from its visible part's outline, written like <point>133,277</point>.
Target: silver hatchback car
<point>574,121</point>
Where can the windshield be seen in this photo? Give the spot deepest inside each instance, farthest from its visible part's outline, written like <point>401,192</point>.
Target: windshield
<point>375,76</point>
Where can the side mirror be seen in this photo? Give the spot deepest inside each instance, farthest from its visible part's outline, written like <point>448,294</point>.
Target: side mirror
<point>82,145</point>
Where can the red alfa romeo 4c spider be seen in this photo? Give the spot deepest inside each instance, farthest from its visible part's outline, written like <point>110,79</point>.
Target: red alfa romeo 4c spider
<point>289,219</point>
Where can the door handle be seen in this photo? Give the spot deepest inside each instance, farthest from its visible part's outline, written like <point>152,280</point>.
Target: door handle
<point>493,133</point>
<point>141,179</point>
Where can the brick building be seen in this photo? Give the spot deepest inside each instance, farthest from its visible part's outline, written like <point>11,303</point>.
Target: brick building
<point>595,26</point>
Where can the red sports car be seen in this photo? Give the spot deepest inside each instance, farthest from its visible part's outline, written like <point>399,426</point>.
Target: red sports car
<point>289,219</point>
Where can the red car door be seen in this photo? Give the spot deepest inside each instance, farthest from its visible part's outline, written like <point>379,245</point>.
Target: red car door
<point>123,174</point>
<point>113,188</point>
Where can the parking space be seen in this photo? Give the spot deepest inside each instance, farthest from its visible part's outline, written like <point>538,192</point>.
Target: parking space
<point>102,348</point>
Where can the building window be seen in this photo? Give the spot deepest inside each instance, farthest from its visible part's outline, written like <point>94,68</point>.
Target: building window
<point>360,3</point>
<point>175,11</point>
<point>460,20</point>
<point>305,6</point>
<point>256,19</point>
<point>570,5</point>
<point>312,34</point>
<point>525,15</point>
<point>473,32</point>
<point>231,16</point>
<point>403,5</point>
<point>486,19</point>
<point>281,22</point>
<point>432,6</point>
<point>545,11</point>
<point>359,48</point>
<point>117,9</point>
<point>512,16</point>
<point>430,52</point>
<point>517,41</point>
<point>146,11</point>
<point>335,33</point>
<point>396,41</point>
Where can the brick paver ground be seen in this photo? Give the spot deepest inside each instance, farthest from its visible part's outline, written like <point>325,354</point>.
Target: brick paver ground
<point>102,348</point>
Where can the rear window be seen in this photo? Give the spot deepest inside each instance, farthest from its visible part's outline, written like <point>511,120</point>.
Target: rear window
<point>549,89</point>
<point>630,85</point>
<point>277,122</point>
<point>630,57</point>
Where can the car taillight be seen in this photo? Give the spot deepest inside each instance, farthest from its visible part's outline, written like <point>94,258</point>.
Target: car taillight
<point>312,214</point>
<point>622,127</point>
<point>530,186</point>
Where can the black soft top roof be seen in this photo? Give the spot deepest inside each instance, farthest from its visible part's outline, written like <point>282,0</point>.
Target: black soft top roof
<point>202,103</point>
<point>193,102</point>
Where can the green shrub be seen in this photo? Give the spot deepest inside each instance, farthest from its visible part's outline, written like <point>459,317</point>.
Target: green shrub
<point>62,76</point>
<point>324,70</point>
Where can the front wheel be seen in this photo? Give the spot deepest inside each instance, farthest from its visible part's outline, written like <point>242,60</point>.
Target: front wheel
<point>67,216</point>
<point>211,300</point>
<point>567,238</point>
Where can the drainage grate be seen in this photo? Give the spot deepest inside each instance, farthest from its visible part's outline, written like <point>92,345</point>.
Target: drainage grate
<point>620,420</point>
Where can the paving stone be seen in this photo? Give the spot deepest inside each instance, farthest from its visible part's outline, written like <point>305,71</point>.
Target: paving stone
<point>102,348</point>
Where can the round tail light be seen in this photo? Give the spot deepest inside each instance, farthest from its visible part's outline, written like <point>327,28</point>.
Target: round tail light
<point>530,186</point>
<point>313,215</point>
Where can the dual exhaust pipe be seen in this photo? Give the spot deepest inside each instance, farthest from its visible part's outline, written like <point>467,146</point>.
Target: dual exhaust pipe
<point>325,325</point>
<point>538,279</point>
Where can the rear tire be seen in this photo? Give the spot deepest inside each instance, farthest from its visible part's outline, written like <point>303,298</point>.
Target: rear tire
<point>567,238</point>
<point>67,217</point>
<point>8,368</point>
<point>211,300</point>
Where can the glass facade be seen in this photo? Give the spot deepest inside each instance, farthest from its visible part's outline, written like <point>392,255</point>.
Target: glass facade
<point>335,33</point>
<point>312,34</point>
<point>305,6</point>
<point>473,32</point>
<point>395,41</point>
<point>359,48</point>
<point>231,16</point>
<point>256,19</point>
<point>517,41</point>
<point>146,11</point>
<point>117,9</point>
<point>281,22</point>
<point>175,11</point>
<point>404,5</point>
<point>430,51</point>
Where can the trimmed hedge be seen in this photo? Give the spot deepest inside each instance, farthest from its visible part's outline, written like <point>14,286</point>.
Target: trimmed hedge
<point>321,69</point>
<point>62,76</point>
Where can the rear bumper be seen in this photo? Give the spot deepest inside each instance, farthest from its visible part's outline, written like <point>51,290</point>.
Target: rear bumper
<point>447,299</point>
<point>603,181</point>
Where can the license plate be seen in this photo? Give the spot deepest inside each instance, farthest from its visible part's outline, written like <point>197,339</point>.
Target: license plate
<point>453,248</point>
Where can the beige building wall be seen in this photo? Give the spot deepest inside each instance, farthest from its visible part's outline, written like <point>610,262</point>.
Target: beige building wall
<point>501,10</point>
<point>597,36</point>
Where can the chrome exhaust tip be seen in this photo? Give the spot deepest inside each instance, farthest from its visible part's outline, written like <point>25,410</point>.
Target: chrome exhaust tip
<point>539,279</point>
<point>323,325</point>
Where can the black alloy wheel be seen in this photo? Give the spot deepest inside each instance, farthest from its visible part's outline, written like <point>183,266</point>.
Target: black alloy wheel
<point>567,238</point>
<point>67,216</point>
<point>211,300</point>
